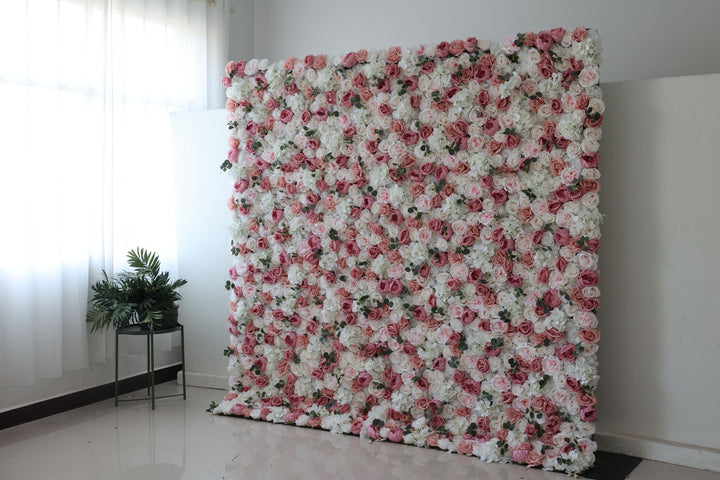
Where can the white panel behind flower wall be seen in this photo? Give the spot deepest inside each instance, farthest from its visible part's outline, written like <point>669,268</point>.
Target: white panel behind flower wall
<point>660,351</point>
<point>199,147</point>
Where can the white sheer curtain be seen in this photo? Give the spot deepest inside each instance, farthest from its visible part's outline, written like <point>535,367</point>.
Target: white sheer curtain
<point>86,87</point>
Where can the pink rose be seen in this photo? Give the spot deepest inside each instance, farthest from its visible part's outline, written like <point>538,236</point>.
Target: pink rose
<point>492,125</point>
<point>552,299</point>
<point>501,383</point>
<point>578,35</point>
<point>427,68</point>
<point>587,278</point>
<point>465,447</point>
<point>289,64</point>
<point>589,336</point>
<point>588,414</point>
<point>350,60</point>
<point>393,55</point>
<point>566,352</point>
<point>392,70</point>
<point>286,115</point>
<point>557,34</point>
<point>319,62</point>
<point>544,40</point>
<point>442,50</point>
<point>457,47</point>
<point>395,435</point>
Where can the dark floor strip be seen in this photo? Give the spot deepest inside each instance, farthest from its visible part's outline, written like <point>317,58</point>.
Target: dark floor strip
<point>612,466</point>
<point>46,408</point>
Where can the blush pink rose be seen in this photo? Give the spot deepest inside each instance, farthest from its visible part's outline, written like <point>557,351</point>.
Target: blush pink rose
<point>393,55</point>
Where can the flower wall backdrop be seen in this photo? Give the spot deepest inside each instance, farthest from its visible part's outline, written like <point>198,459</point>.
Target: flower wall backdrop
<point>415,234</point>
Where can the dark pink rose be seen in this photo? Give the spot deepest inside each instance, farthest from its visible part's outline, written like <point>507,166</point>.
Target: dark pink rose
<point>290,339</point>
<point>552,299</point>
<point>544,40</point>
<point>437,421</point>
<point>483,365</point>
<point>566,352</point>
<point>499,196</point>
<point>562,236</point>
<point>589,160</point>
<point>492,125</point>
<point>396,287</point>
<point>442,50</point>
<point>350,131</point>
<point>557,34</point>
<point>364,378</point>
<point>483,98</point>
<point>588,414</point>
<point>359,80</point>
<point>415,101</point>
<point>384,85</point>
<point>350,60</point>
<point>392,71</point>
<point>427,67</point>
<point>590,304</point>
<point>411,83</point>
<point>439,364</point>
<point>286,115</point>
<point>410,137</point>
<point>587,278</point>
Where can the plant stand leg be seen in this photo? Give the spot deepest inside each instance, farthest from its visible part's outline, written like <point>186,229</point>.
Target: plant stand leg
<point>147,349</point>
<point>182,347</point>
<point>152,368</point>
<point>116,368</point>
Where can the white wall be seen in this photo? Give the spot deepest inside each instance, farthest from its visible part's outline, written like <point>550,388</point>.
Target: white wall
<point>203,242</point>
<point>642,38</point>
<point>660,351</point>
<point>242,30</point>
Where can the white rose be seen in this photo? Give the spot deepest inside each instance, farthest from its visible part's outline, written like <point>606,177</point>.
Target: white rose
<point>590,200</point>
<point>596,105</point>
<point>589,145</point>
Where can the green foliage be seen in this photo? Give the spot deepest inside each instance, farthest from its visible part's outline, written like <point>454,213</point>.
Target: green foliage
<point>140,296</point>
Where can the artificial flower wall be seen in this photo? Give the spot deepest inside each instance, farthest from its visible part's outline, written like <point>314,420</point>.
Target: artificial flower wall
<point>415,234</point>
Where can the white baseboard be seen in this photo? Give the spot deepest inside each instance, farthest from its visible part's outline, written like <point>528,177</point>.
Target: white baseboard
<point>693,456</point>
<point>204,380</point>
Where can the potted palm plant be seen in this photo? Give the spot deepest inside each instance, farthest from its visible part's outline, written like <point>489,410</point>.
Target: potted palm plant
<point>144,295</point>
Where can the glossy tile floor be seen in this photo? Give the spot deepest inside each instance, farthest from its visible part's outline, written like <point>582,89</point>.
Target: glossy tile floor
<point>180,440</point>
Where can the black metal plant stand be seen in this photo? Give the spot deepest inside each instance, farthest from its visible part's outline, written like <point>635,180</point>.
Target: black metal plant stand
<point>138,329</point>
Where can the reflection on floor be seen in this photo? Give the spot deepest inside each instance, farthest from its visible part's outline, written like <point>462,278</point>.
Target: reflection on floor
<point>180,440</point>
